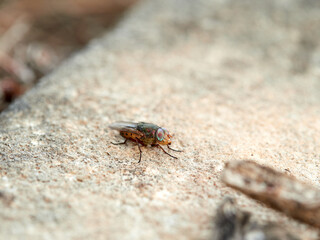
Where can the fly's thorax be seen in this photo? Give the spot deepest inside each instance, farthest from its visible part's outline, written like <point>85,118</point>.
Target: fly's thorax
<point>148,141</point>
<point>149,131</point>
<point>154,134</point>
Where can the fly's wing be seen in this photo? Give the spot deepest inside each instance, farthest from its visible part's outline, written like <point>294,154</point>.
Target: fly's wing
<point>120,125</point>
<point>126,127</point>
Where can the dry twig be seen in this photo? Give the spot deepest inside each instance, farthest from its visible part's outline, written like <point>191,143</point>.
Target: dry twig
<point>278,190</point>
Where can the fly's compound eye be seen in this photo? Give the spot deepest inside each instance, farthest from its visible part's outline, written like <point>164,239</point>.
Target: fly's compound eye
<point>167,132</point>
<point>160,134</point>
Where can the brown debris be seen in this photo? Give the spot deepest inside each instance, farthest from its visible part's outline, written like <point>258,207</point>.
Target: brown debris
<point>10,89</point>
<point>278,190</point>
<point>6,198</point>
<point>36,35</point>
<point>232,223</point>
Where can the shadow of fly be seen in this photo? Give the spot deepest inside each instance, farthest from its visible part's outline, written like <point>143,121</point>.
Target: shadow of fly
<point>144,134</point>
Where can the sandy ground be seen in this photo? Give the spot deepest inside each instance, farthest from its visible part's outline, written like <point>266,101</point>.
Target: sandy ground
<point>232,81</point>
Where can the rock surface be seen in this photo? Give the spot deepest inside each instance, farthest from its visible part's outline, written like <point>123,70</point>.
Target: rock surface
<point>231,79</point>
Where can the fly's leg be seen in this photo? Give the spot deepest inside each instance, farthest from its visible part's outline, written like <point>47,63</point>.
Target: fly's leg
<point>139,150</point>
<point>174,149</point>
<point>166,152</point>
<point>125,141</point>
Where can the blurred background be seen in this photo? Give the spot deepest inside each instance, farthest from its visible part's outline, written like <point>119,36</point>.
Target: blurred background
<point>36,35</point>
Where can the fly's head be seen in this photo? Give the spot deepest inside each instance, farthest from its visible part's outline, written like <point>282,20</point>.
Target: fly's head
<point>163,136</point>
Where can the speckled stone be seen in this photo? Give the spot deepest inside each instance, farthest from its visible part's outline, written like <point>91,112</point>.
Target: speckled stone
<point>231,79</point>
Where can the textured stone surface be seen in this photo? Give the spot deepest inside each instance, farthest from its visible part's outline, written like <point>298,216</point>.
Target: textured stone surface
<point>231,80</point>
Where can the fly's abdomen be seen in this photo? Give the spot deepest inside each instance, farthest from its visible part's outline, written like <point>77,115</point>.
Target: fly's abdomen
<point>129,135</point>
<point>135,137</point>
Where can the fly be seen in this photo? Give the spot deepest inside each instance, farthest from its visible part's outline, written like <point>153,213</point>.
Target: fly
<point>144,134</point>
